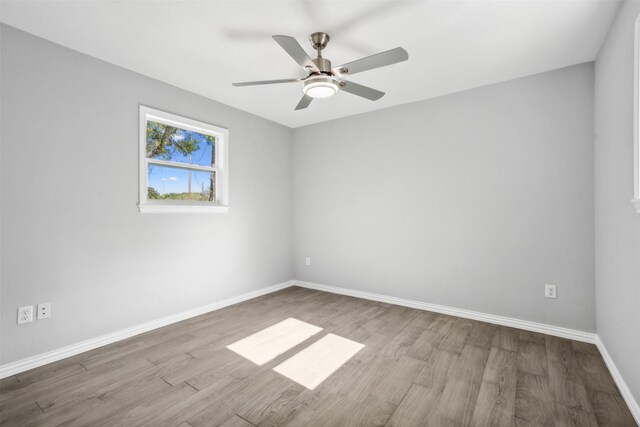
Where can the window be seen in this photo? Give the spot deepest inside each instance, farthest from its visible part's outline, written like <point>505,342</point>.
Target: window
<point>183,164</point>
<point>636,136</point>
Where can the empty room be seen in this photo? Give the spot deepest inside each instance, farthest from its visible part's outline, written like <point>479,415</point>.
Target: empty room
<point>320,213</point>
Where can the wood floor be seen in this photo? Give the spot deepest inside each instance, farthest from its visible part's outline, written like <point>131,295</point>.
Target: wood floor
<point>417,369</point>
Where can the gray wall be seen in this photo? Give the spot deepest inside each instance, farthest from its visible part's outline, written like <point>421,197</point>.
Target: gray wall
<point>474,200</point>
<point>617,224</point>
<point>71,231</point>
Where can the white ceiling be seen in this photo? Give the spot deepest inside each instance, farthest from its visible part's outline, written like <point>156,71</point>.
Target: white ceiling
<point>204,46</point>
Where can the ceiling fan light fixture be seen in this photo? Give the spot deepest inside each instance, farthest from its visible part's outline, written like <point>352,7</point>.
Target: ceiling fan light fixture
<point>320,87</point>
<point>323,80</point>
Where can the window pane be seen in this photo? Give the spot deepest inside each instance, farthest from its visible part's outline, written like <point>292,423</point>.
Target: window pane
<point>166,183</point>
<point>170,143</point>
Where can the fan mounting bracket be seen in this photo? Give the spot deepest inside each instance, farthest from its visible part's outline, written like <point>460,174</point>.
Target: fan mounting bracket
<point>319,40</point>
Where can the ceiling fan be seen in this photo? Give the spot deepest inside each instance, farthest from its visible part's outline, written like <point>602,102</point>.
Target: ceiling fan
<point>324,81</point>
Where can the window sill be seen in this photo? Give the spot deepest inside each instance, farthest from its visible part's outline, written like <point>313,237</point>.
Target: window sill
<point>153,208</point>
<point>636,203</point>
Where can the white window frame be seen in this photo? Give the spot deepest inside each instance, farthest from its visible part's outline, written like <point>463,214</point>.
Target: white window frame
<point>221,168</point>
<point>636,132</point>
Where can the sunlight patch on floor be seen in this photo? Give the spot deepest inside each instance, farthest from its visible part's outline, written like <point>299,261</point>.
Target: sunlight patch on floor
<point>273,341</point>
<point>314,364</point>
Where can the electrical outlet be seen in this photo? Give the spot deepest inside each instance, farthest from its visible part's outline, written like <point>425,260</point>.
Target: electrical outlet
<point>307,261</point>
<point>550,291</point>
<point>25,314</point>
<point>44,310</point>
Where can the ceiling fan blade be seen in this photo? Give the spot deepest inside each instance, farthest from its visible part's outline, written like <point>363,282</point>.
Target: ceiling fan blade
<point>378,60</point>
<point>363,91</point>
<point>304,102</point>
<point>293,48</point>
<point>266,82</point>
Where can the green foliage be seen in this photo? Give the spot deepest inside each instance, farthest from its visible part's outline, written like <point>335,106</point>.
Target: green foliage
<point>152,193</point>
<point>204,196</point>
<point>164,141</point>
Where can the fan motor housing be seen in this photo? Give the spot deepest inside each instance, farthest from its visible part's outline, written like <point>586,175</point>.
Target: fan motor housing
<point>323,64</point>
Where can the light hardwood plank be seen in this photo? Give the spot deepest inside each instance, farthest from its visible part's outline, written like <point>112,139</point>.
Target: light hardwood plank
<point>495,405</point>
<point>610,410</point>
<point>595,374</point>
<point>532,358</point>
<point>434,372</point>
<point>573,417</point>
<point>565,381</point>
<point>506,338</point>
<point>534,406</point>
<point>418,408</point>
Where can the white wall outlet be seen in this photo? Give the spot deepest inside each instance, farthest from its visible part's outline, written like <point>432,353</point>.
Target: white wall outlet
<point>307,261</point>
<point>550,291</point>
<point>25,314</point>
<point>44,310</point>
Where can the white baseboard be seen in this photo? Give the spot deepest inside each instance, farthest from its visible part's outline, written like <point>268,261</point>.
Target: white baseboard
<point>71,350</point>
<point>622,386</point>
<point>452,311</point>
